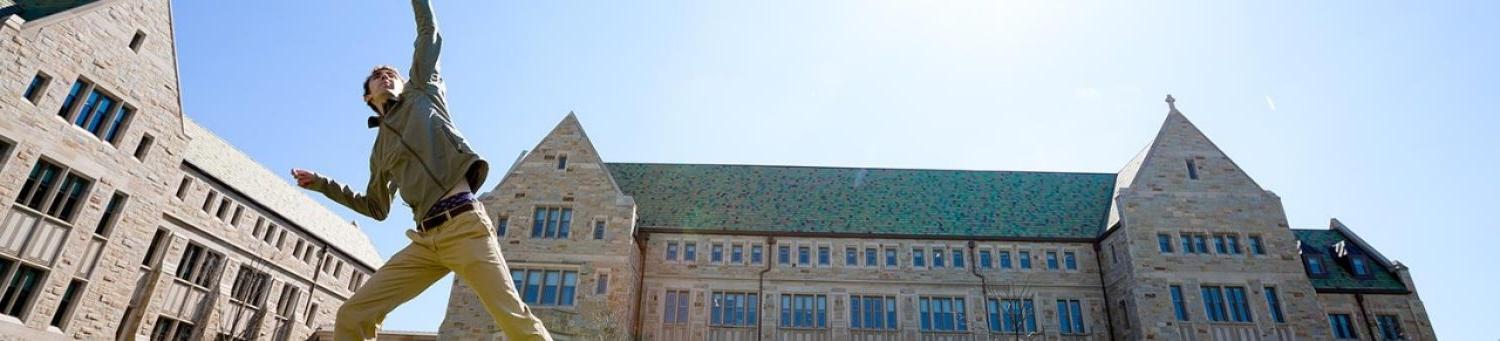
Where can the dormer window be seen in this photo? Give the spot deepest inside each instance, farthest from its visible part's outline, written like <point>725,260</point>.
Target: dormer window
<point>1315,264</point>
<point>1360,268</point>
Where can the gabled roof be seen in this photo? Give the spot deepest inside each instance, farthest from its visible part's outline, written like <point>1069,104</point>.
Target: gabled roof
<point>225,163</point>
<point>36,9</point>
<point>867,201</point>
<point>1340,277</point>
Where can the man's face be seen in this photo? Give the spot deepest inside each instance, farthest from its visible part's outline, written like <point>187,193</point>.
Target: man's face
<point>384,83</point>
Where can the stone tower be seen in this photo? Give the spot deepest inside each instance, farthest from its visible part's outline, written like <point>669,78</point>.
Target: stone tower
<point>1189,225</point>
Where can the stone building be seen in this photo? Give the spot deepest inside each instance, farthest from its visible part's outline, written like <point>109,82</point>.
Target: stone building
<point>1180,244</point>
<point>122,219</point>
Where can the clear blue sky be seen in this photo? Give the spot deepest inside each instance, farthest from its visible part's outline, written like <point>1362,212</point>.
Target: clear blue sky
<point>1379,114</point>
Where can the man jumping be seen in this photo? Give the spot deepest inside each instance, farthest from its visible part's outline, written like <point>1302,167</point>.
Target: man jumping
<point>419,152</point>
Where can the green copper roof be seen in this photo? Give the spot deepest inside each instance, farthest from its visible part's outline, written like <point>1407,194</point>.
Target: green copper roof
<point>35,9</point>
<point>1340,275</point>
<point>789,199</point>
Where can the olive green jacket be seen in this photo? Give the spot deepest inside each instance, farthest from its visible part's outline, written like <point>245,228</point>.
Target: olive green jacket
<point>417,150</point>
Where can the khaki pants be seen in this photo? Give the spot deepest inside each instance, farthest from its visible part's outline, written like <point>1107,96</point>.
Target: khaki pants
<point>466,245</point>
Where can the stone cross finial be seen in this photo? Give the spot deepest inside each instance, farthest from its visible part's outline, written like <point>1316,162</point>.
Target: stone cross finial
<point>1171,102</point>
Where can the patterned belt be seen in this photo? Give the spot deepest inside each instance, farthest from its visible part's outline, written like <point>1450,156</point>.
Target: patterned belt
<point>446,209</point>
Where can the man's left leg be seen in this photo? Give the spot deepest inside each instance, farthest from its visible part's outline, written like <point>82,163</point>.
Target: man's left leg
<point>468,246</point>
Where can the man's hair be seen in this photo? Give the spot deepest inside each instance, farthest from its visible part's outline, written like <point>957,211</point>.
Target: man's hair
<point>365,85</point>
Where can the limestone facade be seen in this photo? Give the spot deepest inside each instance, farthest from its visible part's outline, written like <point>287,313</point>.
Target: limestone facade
<point>729,282</point>
<point>122,219</point>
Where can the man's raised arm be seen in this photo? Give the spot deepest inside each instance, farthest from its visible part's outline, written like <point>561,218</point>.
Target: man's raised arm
<point>424,61</point>
<point>374,203</point>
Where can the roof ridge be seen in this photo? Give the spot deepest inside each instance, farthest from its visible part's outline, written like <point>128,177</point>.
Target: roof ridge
<point>856,168</point>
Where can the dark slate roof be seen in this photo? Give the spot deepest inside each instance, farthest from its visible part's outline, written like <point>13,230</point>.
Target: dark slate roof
<point>867,201</point>
<point>1340,275</point>
<point>35,9</point>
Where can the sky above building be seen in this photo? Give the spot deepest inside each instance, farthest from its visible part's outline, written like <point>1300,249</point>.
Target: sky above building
<point>1375,113</point>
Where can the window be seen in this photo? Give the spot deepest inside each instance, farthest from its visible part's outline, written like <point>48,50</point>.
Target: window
<point>286,304</point>
<point>890,257</point>
<point>502,225</point>
<point>1070,260</point>
<point>1011,316</point>
<point>872,312</point>
<point>1390,327</point>
<point>984,259</point>
<point>239,212</point>
<point>598,230</point>
<point>223,212</point>
<point>65,196</point>
<point>1234,244</point>
<point>1164,242</point>
<point>144,147</point>
<point>1235,308</point>
<point>1200,243</point>
<point>823,255</point>
<point>942,314</point>
<point>542,287</point>
<point>312,310</point>
<point>168,329</point>
<point>1005,260</point>
<point>1052,260</point>
<point>1360,269</point>
<point>804,311</point>
<point>1025,259</point>
<point>958,258</point>
<point>871,257</point>
<point>1239,305</point>
<point>356,280</point>
<point>690,252</point>
<point>20,282</point>
<point>1070,317</point>
<point>137,40</point>
<point>1192,168</point>
<point>182,187</point>
<point>5,147</point>
<point>671,251</point>
<point>153,252</point>
<point>1213,304</point>
<point>851,256</point>
<point>198,265</point>
<point>601,286</point>
<point>755,254</point>
<point>783,255</point>
<point>937,258</point>
<point>1343,327</point>
<point>100,114</point>
<point>1273,305</point>
<point>1179,306</point>
<point>804,255</point>
<point>65,306</point>
<point>716,253</point>
<point>111,214</point>
<point>1314,264</point>
<point>737,254</point>
<point>1187,244</point>
<point>734,309</point>
<point>675,311</point>
<point>208,201</point>
<point>37,87</point>
<point>562,162</point>
<point>1257,246</point>
<point>1220,245</point>
<point>551,222</point>
<point>917,258</point>
<point>250,286</point>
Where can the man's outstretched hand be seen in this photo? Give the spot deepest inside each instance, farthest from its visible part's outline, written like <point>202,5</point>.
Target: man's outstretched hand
<point>304,177</point>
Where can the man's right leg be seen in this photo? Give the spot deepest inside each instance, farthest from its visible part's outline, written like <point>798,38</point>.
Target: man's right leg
<point>403,277</point>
